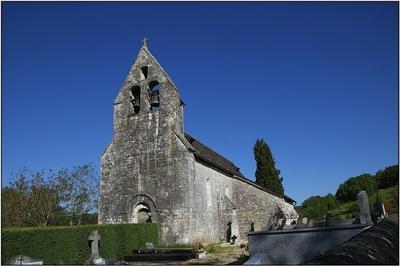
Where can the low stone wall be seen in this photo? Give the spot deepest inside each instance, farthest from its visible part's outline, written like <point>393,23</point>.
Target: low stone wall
<point>377,245</point>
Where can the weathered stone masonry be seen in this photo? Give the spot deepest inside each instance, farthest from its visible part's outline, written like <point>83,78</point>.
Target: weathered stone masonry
<point>153,167</point>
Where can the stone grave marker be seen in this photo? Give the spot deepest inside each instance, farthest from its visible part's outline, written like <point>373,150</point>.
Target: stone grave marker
<point>24,260</point>
<point>384,213</point>
<point>233,238</point>
<point>302,223</point>
<point>311,223</point>
<point>365,214</point>
<point>95,237</point>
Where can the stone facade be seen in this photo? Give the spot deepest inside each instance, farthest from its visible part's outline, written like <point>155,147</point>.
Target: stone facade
<point>152,167</point>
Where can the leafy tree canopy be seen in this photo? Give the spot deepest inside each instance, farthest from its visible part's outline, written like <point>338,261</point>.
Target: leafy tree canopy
<point>45,198</point>
<point>348,190</point>
<point>317,206</point>
<point>388,177</point>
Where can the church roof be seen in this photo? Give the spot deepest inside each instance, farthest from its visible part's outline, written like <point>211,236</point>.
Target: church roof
<point>207,155</point>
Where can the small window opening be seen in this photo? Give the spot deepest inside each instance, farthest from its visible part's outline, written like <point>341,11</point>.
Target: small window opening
<point>145,70</point>
<point>135,98</point>
<point>154,91</point>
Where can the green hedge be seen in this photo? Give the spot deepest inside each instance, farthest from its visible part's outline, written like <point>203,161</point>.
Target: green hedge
<point>69,245</point>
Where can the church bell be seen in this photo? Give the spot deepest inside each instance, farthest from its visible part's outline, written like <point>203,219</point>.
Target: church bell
<point>155,98</point>
<point>135,103</point>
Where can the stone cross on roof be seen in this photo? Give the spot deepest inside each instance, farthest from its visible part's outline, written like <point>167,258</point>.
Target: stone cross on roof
<point>95,237</point>
<point>144,42</point>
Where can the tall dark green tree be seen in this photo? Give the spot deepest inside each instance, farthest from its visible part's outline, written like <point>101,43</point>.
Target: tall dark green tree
<point>267,175</point>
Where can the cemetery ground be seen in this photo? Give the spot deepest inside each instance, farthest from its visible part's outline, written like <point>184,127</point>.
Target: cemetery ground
<point>222,254</point>
<point>215,254</point>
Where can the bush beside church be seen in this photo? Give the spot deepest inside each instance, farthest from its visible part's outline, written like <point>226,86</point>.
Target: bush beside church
<point>69,244</point>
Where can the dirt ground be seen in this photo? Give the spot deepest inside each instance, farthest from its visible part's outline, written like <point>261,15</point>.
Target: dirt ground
<point>221,254</point>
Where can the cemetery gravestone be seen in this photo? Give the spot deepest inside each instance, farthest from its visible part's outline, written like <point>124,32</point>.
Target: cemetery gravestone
<point>365,214</point>
<point>252,227</point>
<point>94,237</point>
<point>24,260</point>
<point>233,238</point>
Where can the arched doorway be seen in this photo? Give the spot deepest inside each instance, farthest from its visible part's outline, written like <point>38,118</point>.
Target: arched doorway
<point>141,213</point>
<point>142,209</point>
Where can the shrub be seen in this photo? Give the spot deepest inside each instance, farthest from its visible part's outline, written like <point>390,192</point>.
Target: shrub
<point>316,207</point>
<point>69,245</point>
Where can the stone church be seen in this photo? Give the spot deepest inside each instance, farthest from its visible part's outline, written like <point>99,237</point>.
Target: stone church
<point>153,171</point>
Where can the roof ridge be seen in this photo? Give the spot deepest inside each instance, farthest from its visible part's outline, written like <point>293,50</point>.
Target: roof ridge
<point>233,164</point>
<point>220,165</point>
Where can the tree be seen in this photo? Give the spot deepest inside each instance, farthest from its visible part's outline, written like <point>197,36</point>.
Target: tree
<point>78,191</point>
<point>11,211</point>
<point>29,200</point>
<point>388,177</point>
<point>45,197</point>
<point>267,175</point>
<point>42,200</point>
<point>317,206</point>
<point>348,190</point>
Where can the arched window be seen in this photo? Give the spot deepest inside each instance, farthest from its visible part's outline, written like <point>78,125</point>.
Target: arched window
<point>154,91</point>
<point>144,73</point>
<point>135,98</point>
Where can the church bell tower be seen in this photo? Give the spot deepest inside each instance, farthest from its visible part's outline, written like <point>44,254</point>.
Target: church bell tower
<point>144,170</point>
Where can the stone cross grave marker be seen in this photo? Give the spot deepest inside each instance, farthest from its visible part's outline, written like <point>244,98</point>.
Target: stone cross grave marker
<point>95,237</point>
<point>21,259</point>
<point>365,214</point>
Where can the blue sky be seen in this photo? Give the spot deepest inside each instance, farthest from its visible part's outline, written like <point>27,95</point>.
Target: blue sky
<point>317,81</point>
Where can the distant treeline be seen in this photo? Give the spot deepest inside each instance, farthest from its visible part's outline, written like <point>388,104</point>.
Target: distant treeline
<point>43,198</point>
<point>318,206</point>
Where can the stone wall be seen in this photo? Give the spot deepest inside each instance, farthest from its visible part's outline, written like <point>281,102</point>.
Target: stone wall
<point>226,198</point>
<point>255,206</point>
